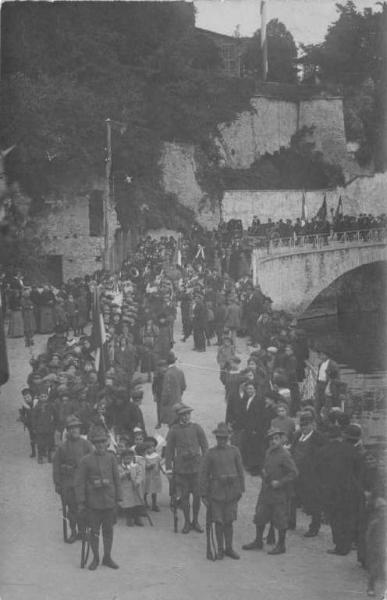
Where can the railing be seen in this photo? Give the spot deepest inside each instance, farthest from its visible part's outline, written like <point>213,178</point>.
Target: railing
<point>321,240</point>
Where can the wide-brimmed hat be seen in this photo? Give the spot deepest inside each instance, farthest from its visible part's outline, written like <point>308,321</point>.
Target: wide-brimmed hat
<point>183,409</point>
<point>352,432</point>
<point>306,418</point>
<point>221,430</point>
<point>73,421</point>
<point>98,434</point>
<point>273,431</point>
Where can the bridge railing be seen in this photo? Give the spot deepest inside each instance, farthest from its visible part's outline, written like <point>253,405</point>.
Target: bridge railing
<point>320,240</point>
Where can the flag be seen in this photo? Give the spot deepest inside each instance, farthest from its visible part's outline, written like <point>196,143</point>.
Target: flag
<point>98,337</point>
<point>264,40</point>
<point>322,211</point>
<point>118,126</point>
<point>4,370</point>
<point>304,211</point>
<point>339,209</point>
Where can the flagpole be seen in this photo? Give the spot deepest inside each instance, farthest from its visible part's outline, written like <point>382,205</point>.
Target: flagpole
<point>108,169</point>
<point>264,40</point>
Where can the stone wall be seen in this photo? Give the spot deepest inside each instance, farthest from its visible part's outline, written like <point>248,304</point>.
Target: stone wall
<point>363,194</point>
<point>63,227</point>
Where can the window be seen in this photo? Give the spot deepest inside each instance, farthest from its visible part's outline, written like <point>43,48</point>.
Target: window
<point>96,213</point>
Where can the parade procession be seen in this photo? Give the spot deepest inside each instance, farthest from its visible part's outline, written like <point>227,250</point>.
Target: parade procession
<point>193,386</point>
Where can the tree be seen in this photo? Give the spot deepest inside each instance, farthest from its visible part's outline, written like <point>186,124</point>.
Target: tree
<point>281,50</point>
<point>353,55</point>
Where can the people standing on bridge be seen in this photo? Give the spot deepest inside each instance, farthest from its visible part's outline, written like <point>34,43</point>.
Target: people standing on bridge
<point>222,485</point>
<point>186,444</point>
<point>98,492</point>
<point>65,464</point>
<point>279,471</point>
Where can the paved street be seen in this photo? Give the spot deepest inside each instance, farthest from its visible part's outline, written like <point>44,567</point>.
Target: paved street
<point>35,564</point>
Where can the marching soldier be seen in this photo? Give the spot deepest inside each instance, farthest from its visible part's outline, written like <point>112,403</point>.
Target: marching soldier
<point>98,491</point>
<point>222,485</point>
<point>65,464</point>
<point>273,501</point>
<point>186,443</point>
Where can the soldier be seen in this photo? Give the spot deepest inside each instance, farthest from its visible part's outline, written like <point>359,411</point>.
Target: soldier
<point>222,485</point>
<point>65,463</point>
<point>98,490</point>
<point>186,443</point>
<point>273,501</point>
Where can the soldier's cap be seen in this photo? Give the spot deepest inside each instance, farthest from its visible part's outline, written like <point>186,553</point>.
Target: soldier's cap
<point>137,395</point>
<point>73,421</point>
<point>221,430</point>
<point>274,431</point>
<point>352,432</point>
<point>183,409</point>
<point>306,418</point>
<point>171,358</point>
<point>97,434</point>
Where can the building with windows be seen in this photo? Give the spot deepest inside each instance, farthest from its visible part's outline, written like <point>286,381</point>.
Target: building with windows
<point>231,50</point>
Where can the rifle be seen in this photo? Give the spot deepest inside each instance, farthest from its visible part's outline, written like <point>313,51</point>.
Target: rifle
<point>64,519</point>
<point>85,549</point>
<point>211,548</point>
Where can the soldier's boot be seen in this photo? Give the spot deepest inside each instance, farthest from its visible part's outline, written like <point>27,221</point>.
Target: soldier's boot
<point>228,535</point>
<point>195,514</point>
<point>94,544</point>
<point>155,507</point>
<point>271,535</point>
<point>256,544</point>
<point>219,534</point>
<point>280,547</point>
<point>186,510</point>
<point>73,537</point>
<point>33,450</point>
<point>107,549</point>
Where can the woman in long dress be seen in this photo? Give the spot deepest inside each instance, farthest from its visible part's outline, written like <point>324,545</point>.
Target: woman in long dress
<point>16,327</point>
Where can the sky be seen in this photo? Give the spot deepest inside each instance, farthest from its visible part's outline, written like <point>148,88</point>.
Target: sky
<point>307,20</point>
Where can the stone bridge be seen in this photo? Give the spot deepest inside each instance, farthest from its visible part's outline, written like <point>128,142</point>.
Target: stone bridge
<point>293,272</point>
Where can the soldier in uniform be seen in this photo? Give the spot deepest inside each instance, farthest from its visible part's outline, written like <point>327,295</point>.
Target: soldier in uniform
<point>98,491</point>
<point>222,485</point>
<point>279,470</point>
<point>186,443</point>
<point>65,464</point>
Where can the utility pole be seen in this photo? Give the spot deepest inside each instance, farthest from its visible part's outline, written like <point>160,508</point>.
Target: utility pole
<point>106,204</point>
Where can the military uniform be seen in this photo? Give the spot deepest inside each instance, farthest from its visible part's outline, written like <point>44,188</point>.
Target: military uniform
<point>98,489</point>
<point>222,484</point>
<point>186,443</point>
<point>65,464</point>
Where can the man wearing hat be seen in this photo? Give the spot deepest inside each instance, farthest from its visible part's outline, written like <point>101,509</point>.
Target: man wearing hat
<point>278,472</point>
<point>305,450</point>
<point>98,490</point>
<point>339,471</point>
<point>65,464</point>
<point>173,387</point>
<point>186,444</point>
<point>222,485</point>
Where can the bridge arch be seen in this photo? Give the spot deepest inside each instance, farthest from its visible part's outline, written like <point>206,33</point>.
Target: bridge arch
<point>294,277</point>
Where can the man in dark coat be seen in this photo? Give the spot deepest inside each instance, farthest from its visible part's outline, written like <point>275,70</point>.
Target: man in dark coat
<point>199,323</point>
<point>253,432</point>
<point>186,444</point>
<point>98,491</point>
<point>339,470</point>
<point>278,472</point>
<point>222,485</point>
<point>65,464</point>
<point>173,387</point>
<point>305,449</point>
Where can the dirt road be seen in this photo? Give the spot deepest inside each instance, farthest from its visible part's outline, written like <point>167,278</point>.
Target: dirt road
<point>35,564</point>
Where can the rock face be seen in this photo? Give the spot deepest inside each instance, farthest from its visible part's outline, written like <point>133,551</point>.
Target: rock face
<point>270,125</point>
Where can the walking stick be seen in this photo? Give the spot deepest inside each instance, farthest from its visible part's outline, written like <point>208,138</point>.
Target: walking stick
<point>64,519</point>
<point>211,548</point>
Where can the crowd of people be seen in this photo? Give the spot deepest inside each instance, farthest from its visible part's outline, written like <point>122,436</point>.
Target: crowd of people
<point>82,409</point>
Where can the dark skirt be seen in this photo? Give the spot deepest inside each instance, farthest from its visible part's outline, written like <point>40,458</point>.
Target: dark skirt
<point>16,326</point>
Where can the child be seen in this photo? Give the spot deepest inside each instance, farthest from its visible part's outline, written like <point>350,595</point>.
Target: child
<point>226,352</point>
<point>132,476</point>
<point>138,438</point>
<point>25,416</point>
<point>283,422</point>
<point>152,472</point>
